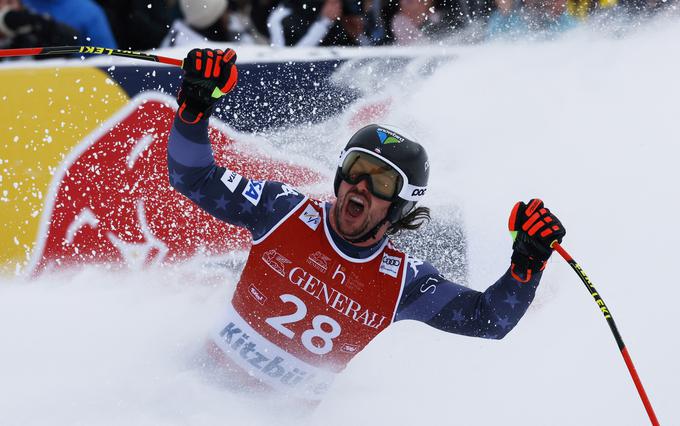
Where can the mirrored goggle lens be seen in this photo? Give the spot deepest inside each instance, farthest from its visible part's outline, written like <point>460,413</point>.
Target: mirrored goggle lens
<point>383,181</point>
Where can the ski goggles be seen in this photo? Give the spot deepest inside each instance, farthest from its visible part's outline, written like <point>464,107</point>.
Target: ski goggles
<point>384,180</point>
<point>380,174</point>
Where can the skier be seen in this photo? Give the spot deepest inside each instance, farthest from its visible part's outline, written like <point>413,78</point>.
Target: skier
<point>323,279</point>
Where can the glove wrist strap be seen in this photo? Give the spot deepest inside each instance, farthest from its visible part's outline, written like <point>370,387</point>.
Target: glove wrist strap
<point>186,115</point>
<point>524,266</point>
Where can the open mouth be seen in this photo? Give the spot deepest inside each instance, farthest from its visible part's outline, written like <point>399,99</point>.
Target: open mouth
<point>355,206</point>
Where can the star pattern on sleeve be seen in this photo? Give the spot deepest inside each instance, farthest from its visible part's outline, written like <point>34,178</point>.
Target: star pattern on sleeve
<point>200,179</point>
<point>246,206</point>
<point>511,300</point>
<point>221,203</point>
<point>504,322</point>
<point>196,196</point>
<point>176,178</point>
<point>457,316</point>
<point>269,204</point>
<point>454,308</point>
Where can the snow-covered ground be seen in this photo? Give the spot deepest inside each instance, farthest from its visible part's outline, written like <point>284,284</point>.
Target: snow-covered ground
<point>588,123</point>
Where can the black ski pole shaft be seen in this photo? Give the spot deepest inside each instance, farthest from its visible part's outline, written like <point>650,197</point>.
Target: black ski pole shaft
<point>88,50</point>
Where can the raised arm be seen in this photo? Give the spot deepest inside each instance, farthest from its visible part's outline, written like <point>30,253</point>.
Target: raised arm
<point>430,298</point>
<point>288,28</point>
<point>255,205</point>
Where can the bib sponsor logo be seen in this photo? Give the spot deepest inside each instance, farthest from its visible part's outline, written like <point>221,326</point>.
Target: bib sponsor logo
<point>348,348</point>
<point>311,217</point>
<point>276,261</point>
<point>340,274</point>
<point>390,265</point>
<point>231,180</point>
<point>257,295</point>
<point>319,261</point>
<point>253,191</point>
<point>261,359</point>
<point>335,299</point>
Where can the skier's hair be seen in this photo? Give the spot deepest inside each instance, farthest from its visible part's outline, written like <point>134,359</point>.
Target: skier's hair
<point>414,220</point>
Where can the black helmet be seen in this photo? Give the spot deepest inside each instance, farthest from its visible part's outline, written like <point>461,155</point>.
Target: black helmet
<point>404,155</point>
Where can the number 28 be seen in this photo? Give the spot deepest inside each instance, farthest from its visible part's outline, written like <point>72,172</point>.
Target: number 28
<point>308,335</point>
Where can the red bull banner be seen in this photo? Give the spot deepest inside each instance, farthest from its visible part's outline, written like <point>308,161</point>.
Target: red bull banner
<point>111,202</point>
<point>83,177</point>
<point>45,113</point>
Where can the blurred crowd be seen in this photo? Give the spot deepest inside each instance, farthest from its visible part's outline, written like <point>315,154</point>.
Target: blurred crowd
<point>148,24</point>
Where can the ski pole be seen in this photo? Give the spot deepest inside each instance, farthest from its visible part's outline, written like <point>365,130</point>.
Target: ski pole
<point>88,50</point>
<point>612,325</point>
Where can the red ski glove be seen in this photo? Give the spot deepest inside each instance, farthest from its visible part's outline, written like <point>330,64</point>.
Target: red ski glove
<point>533,228</point>
<point>209,74</point>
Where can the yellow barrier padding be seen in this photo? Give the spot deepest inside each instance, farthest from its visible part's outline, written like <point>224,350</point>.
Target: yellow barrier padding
<point>581,9</point>
<point>45,113</point>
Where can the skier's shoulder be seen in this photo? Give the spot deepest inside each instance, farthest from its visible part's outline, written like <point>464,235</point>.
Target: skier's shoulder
<point>271,198</point>
<point>280,192</point>
<point>415,268</point>
<point>268,202</point>
<point>418,270</point>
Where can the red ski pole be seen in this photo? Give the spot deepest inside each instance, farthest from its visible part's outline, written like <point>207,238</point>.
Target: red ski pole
<point>612,325</point>
<point>88,50</point>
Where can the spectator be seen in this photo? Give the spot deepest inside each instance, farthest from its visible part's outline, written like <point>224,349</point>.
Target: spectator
<point>259,12</point>
<point>205,20</point>
<point>137,24</point>
<point>21,28</point>
<point>244,14</point>
<point>521,18</point>
<point>375,16</point>
<point>84,16</point>
<point>316,23</point>
<point>409,25</point>
<point>461,14</point>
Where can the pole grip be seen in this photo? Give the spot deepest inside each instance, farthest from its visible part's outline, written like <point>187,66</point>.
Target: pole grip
<point>20,52</point>
<point>558,248</point>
